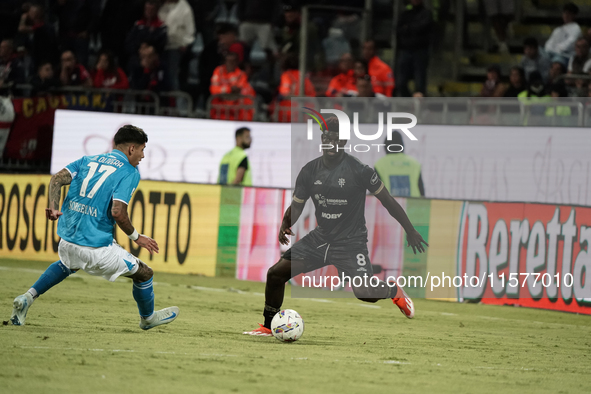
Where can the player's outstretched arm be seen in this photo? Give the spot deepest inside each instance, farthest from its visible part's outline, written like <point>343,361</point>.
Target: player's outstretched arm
<point>292,214</point>
<point>58,180</point>
<point>414,239</point>
<point>119,213</point>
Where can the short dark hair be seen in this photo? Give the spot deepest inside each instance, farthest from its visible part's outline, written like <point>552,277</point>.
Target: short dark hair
<point>129,134</point>
<point>363,63</point>
<point>571,7</point>
<point>332,125</point>
<point>530,42</point>
<point>241,131</point>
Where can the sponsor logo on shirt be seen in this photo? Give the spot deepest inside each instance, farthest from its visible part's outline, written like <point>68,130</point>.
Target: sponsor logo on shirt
<point>82,208</point>
<point>325,202</point>
<point>318,182</point>
<point>331,215</point>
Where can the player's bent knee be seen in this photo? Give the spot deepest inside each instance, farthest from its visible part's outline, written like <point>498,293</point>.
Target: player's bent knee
<point>276,273</point>
<point>143,274</point>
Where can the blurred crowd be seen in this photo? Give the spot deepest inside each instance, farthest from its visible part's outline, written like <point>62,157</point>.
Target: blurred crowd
<point>248,51</point>
<point>223,48</point>
<point>558,67</point>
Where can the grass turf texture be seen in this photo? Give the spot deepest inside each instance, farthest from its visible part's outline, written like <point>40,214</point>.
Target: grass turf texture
<point>83,337</point>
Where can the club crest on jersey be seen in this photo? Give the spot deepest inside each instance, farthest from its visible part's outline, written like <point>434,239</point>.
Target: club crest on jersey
<point>341,182</point>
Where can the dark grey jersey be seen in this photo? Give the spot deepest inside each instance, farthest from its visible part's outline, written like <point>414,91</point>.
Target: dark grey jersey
<point>339,197</point>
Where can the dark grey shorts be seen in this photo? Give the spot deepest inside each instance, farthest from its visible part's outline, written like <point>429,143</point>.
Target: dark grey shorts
<point>351,258</point>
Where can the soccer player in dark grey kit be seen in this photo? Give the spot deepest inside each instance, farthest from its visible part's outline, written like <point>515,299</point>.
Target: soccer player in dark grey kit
<point>337,183</point>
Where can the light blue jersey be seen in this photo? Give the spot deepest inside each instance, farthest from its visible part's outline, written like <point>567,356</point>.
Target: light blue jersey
<point>96,182</point>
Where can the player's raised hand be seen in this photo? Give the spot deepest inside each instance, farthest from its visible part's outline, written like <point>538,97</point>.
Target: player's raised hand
<point>283,233</point>
<point>416,241</point>
<point>52,214</point>
<point>147,243</point>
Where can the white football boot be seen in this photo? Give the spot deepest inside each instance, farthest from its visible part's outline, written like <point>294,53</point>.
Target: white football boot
<point>20,306</point>
<point>163,316</point>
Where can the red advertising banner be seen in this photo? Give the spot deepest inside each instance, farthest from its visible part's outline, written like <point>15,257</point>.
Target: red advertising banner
<point>32,130</point>
<point>530,255</point>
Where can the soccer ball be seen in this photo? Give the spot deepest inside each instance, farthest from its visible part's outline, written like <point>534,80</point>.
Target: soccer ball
<point>287,325</point>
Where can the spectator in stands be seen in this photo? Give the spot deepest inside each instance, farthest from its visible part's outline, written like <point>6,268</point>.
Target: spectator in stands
<point>150,74</point>
<point>44,82</point>
<point>107,74</point>
<point>72,73</point>
<point>12,68</point>
<point>290,80</point>
<point>414,38</point>
<point>535,87</point>
<point>561,44</point>
<point>290,86</point>
<point>344,83</point>
<point>39,38</point>
<point>380,72</point>
<point>360,68</point>
<point>517,82</point>
<point>580,62</point>
<point>179,20</point>
<point>500,13</point>
<point>364,88</point>
<point>265,79</point>
<point>558,91</point>
<point>150,30</point>
<point>214,52</point>
<point>534,59</point>
<point>75,17</point>
<point>493,87</point>
<point>290,36</point>
<point>256,19</point>
<point>557,69</point>
<point>230,79</point>
<point>228,42</point>
<point>335,46</point>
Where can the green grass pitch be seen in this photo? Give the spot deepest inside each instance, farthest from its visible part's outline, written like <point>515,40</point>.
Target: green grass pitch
<point>83,337</point>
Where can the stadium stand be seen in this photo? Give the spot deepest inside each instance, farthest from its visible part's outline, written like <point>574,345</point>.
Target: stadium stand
<point>108,44</point>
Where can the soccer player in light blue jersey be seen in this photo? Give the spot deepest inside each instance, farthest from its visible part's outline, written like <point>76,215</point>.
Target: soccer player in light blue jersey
<point>101,187</point>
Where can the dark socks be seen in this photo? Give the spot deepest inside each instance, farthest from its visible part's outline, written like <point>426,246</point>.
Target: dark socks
<point>269,313</point>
